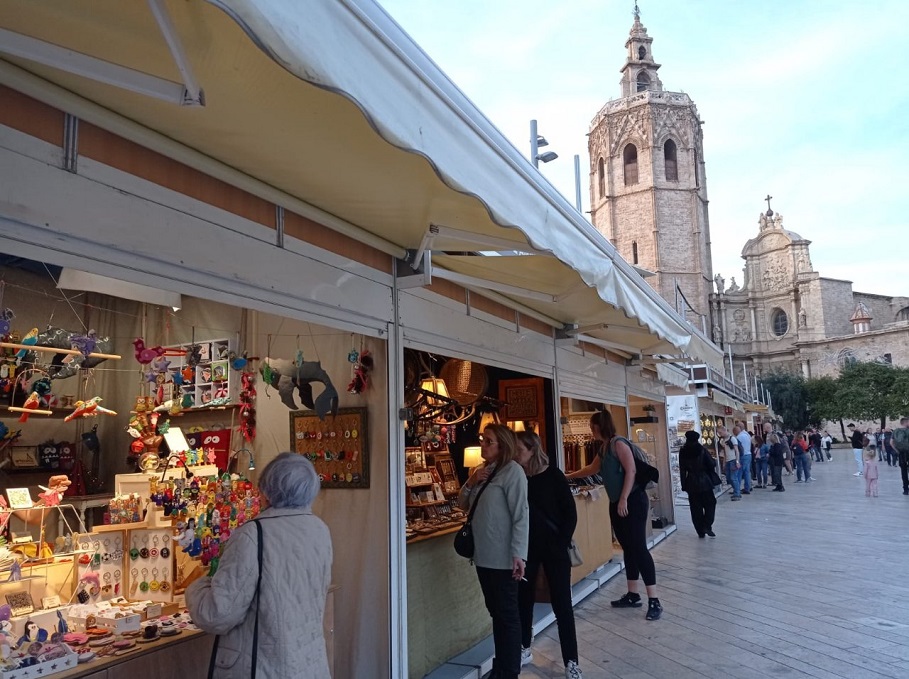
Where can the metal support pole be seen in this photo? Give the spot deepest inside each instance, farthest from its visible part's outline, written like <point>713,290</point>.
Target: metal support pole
<point>577,182</point>
<point>534,149</point>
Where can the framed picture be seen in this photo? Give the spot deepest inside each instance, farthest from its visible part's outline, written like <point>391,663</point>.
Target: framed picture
<point>24,457</point>
<point>20,602</point>
<point>19,498</point>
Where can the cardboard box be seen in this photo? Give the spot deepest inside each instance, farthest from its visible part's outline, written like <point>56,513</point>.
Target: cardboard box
<point>43,669</point>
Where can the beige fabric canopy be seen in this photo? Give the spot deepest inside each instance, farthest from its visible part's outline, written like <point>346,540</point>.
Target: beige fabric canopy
<point>333,104</point>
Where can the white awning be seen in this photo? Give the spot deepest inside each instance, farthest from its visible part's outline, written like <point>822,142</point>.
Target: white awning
<point>672,375</point>
<point>331,103</point>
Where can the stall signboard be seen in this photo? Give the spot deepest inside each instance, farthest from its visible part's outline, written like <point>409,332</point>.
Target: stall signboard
<point>681,417</point>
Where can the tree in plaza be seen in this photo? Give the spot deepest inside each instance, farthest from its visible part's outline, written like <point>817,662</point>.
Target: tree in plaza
<point>873,391</point>
<point>820,393</point>
<point>790,399</point>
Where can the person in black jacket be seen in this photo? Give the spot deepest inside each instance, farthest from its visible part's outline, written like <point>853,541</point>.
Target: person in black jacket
<point>553,517</point>
<point>777,460</point>
<point>698,476</point>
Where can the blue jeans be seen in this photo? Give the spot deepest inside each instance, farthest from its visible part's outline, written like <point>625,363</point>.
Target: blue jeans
<point>734,476</point>
<point>761,466</point>
<point>746,472</point>
<point>802,467</point>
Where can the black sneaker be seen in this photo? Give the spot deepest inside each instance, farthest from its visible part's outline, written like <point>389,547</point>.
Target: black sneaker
<point>654,609</point>
<point>628,601</point>
<point>711,533</point>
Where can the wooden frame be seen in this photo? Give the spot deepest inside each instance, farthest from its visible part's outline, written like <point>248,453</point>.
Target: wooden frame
<point>338,446</point>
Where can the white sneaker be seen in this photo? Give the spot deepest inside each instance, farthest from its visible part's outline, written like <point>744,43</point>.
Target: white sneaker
<point>572,671</point>
<point>526,656</point>
<point>857,474</point>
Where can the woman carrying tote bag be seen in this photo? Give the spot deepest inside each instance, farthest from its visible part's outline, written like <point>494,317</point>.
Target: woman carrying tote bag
<point>500,532</point>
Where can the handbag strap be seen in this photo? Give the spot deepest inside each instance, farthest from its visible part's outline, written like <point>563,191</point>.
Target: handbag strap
<point>473,507</point>
<point>255,639</point>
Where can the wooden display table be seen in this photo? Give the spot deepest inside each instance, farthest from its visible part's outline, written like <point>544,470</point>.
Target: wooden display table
<point>593,534</point>
<point>185,655</point>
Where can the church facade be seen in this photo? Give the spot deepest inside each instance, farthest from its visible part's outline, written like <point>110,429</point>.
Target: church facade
<point>648,196</point>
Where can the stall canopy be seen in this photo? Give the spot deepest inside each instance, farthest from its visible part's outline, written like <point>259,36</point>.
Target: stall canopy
<point>334,105</point>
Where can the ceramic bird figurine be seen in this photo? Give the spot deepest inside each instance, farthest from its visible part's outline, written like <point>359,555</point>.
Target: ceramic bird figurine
<point>146,355</point>
<point>31,339</point>
<point>89,408</point>
<point>31,403</point>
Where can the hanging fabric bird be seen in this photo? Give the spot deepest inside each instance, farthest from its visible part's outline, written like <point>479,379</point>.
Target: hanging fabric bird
<point>146,355</point>
<point>31,339</point>
<point>31,403</point>
<point>89,408</point>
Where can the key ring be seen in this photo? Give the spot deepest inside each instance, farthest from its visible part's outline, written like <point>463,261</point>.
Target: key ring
<point>154,549</point>
<point>144,584</point>
<point>154,584</point>
<point>164,584</point>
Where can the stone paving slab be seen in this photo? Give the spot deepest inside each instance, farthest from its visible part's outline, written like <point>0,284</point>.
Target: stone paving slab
<point>807,583</point>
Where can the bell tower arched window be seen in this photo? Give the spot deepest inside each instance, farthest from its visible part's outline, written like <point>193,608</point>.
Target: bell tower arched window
<point>630,164</point>
<point>634,252</point>
<point>601,177</point>
<point>670,160</point>
<point>643,81</point>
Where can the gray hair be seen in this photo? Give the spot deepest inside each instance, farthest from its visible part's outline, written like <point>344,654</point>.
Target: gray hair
<point>289,481</point>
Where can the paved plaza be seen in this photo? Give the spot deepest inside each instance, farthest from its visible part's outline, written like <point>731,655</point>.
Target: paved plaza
<point>807,583</point>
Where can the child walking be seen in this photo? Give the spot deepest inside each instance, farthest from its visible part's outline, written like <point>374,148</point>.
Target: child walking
<point>870,472</point>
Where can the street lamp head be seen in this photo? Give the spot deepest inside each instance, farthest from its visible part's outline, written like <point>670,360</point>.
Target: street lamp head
<point>541,141</point>
<point>548,156</point>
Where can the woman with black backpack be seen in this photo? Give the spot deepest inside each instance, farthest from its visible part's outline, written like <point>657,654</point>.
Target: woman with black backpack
<point>629,511</point>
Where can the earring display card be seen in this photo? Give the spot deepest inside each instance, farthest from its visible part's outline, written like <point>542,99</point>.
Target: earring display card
<point>338,446</point>
<point>149,572</point>
<point>101,565</point>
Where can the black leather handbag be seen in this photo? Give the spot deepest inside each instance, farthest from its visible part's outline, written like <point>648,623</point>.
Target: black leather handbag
<point>463,541</point>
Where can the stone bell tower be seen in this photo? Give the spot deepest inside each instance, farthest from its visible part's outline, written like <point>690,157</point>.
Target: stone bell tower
<point>648,191</point>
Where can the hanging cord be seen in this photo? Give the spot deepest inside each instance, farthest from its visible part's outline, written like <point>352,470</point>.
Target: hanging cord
<point>66,299</point>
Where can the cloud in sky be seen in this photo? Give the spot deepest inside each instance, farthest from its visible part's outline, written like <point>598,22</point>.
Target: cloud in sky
<point>804,99</point>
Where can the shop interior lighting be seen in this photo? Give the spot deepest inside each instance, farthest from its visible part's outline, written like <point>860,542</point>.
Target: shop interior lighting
<point>472,457</point>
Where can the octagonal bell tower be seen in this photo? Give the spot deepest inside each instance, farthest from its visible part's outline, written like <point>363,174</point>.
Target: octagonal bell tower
<point>648,191</point>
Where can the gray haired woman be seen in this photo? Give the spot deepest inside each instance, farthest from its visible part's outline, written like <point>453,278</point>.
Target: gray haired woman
<point>296,573</point>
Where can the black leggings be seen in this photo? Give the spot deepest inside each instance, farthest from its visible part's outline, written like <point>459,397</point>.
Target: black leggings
<point>558,573</point>
<point>631,532</point>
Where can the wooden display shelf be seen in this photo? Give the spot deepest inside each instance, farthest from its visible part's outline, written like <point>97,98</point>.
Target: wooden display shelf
<point>444,531</point>
<point>427,504</point>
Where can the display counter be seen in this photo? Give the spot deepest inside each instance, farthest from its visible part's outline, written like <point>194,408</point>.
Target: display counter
<point>444,595</point>
<point>185,655</point>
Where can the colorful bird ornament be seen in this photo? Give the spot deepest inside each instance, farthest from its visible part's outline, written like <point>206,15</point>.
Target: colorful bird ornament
<point>146,355</point>
<point>31,403</point>
<point>31,339</point>
<point>90,408</point>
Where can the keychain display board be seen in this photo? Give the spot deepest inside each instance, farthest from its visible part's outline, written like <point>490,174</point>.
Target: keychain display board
<point>102,565</point>
<point>338,446</point>
<point>151,567</point>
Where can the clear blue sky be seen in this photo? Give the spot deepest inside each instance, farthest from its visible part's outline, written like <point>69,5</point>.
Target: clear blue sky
<point>807,100</point>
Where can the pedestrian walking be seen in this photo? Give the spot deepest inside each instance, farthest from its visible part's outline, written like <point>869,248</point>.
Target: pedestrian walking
<point>776,458</point>
<point>800,457</point>
<point>871,472</point>
<point>761,461</point>
<point>827,442</point>
<point>889,451</point>
<point>901,443</point>
<point>856,437</point>
<point>698,475</point>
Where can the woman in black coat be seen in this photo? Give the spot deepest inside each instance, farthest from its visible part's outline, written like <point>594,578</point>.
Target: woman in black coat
<point>777,459</point>
<point>698,472</point>
<point>553,517</point>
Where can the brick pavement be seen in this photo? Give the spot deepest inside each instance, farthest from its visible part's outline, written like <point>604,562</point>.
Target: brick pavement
<point>805,583</point>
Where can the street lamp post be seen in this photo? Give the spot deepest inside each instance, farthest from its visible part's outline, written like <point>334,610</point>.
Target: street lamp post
<point>536,141</point>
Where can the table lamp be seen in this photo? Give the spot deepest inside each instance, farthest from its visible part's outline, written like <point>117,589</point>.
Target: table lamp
<point>472,457</point>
